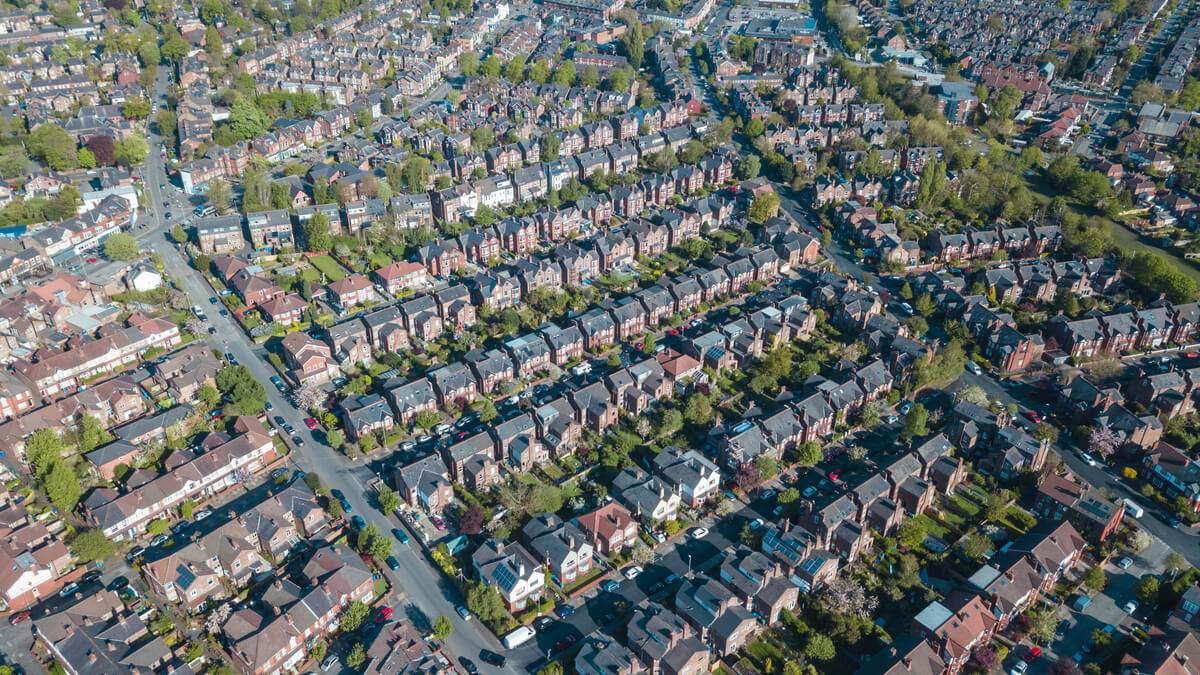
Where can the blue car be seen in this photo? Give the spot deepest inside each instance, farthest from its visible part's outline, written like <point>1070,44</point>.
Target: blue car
<point>358,522</point>
<point>400,535</point>
<point>393,563</point>
<point>611,586</point>
<point>346,506</point>
<point>563,611</point>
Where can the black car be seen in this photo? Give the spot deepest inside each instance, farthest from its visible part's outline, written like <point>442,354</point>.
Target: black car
<point>90,577</point>
<point>279,420</point>
<point>117,584</point>
<point>469,665</point>
<point>493,658</point>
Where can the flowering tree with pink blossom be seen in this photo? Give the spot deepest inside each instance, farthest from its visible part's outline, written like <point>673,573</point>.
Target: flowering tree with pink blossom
<point>1104,441</point>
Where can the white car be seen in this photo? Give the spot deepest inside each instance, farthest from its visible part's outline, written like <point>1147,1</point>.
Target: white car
<point>1125,563</point>
<point>329,662</point>
<point>700,533</point>
<point>757,524</point>
<point>1130,607</point>
<point>1019,668</point>
<point>201,515</point>
<point>974,368</point>
<point>632,572</point>
<point>1088,459</point>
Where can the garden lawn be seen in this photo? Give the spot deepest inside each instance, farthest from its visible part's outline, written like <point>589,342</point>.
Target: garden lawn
<point>934,527</point>
<point>333,271</point>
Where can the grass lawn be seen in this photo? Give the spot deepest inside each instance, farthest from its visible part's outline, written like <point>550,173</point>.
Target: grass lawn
<point>381,587</point>
<point>760,651</point>
<point>551,471</point>
<point>964,507</point>
<point>934,527</point>
<point>580,581</point>
<point>333,271</point>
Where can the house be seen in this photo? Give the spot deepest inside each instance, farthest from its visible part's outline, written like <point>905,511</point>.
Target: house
<point>220,234</point>
<point>1094,516</point>
<point>909,654</point>
<point>1164,653</point>
<point>610,528</point>
<point>285,309</point>
<point>455,384</point>
<point>402,276</point>
<point>271,230</point>
<point>689,474</point>
<point>665,643</point>
<point>954,627</point>
<point>1173,473</point>
<point>564,547</point>
<point>310,360</point>
<point>647,497</point>
<point>425,484</point>
<point>511,570</point>
<point>366,416</point>
<point>352,291</point>
<point>606,658</point>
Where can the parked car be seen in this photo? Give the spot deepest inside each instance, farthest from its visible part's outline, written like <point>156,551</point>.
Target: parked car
<point>383,615</point>
<point>632,572</point>
<point>91,576</point>
<point>201,515</point>
<point>809,491</point>
<point>135,553</point>
<point>68,590</point>
<point>1087,459</point>
<point>468,665</point>
<point>563,611</point>
<point>1130,607</point>
<point>438,523</point>
<point>117,584</point>
<point>1125,563</point>
<point>463,612</point>
<point>400,535</point>
<point>392,563</point>
<point>18,618</point>
<point>612,585</point>
<point>329,662</point>
<point>310,423</point>
<point>493,658</point>
<point>159,540</point>
<point>700,533</point>
<point>357,522</point>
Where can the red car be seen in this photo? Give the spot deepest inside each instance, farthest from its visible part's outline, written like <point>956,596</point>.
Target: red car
<point>310,423</point>
<point>1032,655</point>
<point>439,523</point>
<point>1032,415</point>
<point>384,615</point>
<point>18,618</point>
<point>673,332</point>
<point>92,259</point>
<point>564,643</point>
<point>166,203</point>
<point>835,475</point>
<point>1192,355</point>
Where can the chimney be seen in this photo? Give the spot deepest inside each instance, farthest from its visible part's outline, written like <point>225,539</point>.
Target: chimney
<point>277,611</point>
<point>521,569</point>
<point>91,656</point>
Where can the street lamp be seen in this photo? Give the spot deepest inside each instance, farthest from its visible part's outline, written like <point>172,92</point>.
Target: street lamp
<point>689,564</point>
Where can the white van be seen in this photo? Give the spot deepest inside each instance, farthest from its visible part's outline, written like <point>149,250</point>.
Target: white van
<point>1132,508</point>
<point>518,637</point>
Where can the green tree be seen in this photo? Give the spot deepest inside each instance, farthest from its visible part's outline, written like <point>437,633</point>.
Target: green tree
<point>590,77</point>
<point>763,207</point>
<point>426,419</point>
<point>442,628</point>
<point>648,345</point>
<point>357,656</point>
<point>809,453</point>
<point>468,63</point>
<point>819,648</point>
<point>132,150</point>
<point>220,195</point>
<point>85,158</point>
<point>1095,578</point>
<point>136,108</point>
<point>485,602</point>
<point>354,615</point>
<point>915,422</point>
<point>92,545</point>
<point>491,66</point>
<point>121,246</point>
<point>912,533</point>
<point>564,76</point>
<point>539,72</point>
<point>488,412</point>
<point>1146,591</point>
<point>515,70</point>
<point>246,119</point>
<point>166,122</point>
<point>749,167</point>
<point>316,233</point>
<point>148,54</point>
<point>179,234</point>
<point>335,439</point>
<point>754,128</point>
<point>158,526</point>
<point>52,145</point>
<point>389,501</point>
<point>175,48</point>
